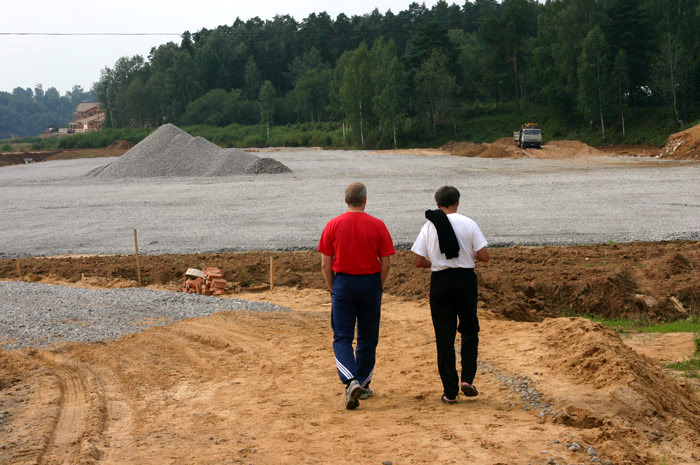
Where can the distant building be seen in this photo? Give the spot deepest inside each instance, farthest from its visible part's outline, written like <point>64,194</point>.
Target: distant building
<point>88,116</point>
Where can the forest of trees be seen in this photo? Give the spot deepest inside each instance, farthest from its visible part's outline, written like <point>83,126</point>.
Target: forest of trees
<point>400,78</point>
<point>420,70</point>
<point>28,112</point>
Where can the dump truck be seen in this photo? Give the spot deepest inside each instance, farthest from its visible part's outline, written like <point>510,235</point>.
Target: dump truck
<point>529,135</point>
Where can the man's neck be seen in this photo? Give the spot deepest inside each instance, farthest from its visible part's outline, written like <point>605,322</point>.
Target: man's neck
<point>356,209</point>
<point>448,210</point>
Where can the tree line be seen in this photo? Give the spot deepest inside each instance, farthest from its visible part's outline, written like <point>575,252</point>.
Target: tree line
<point>28,112</point>
<point>399,78</point>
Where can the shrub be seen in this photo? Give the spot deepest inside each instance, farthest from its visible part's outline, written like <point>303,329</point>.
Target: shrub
<point>253,140</point>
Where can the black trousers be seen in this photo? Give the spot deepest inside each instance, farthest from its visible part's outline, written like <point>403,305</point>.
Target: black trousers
<point>453,298</point>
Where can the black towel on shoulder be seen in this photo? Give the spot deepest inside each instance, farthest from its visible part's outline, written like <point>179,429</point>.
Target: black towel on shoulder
<point>446,235</point>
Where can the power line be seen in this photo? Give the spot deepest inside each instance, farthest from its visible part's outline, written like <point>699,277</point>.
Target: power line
<point>90,34</point>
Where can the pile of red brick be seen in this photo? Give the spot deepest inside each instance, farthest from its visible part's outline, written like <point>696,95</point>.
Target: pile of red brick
<point>193,286</point>
<point>211,284</point>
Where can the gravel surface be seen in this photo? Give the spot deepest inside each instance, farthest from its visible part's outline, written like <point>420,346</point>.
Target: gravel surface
<point>38,315</point>
<point>52,208</point>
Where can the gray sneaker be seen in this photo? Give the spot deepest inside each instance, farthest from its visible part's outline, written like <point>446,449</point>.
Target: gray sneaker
<point>352,394</point>
<point>366,393</point>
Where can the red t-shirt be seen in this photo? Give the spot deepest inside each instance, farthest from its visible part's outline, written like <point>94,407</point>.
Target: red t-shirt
<point>356,240</point>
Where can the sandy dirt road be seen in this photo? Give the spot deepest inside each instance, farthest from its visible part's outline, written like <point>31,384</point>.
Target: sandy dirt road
<point>252,388</point>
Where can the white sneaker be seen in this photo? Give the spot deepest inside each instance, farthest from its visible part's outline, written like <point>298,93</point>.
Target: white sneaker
<point>352,394</point>
<point>366,393</point>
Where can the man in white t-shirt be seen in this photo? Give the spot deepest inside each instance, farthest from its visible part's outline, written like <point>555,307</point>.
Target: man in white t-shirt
<point>450,244</point>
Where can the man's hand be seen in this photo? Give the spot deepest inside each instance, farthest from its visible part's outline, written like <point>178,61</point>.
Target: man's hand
<point>421,262</point>
<point>482,255</point>
<point>326,268</point>
<point>384,265</point>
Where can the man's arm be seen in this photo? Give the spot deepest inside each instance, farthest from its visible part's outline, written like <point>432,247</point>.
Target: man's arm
<point>326,263</point>
<point>421,262</point>
<point>482,255</point>
<point>384,265</point>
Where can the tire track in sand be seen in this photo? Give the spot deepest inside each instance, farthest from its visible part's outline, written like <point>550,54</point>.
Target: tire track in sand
<point>84,412</point>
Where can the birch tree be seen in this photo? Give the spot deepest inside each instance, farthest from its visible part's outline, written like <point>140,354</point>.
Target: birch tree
<point>436,89</point>
<point>389,80</point>
<point>267,104</point>
<point>621,80</point>
<point>252,80</point>
<point>594,76</point>
<point>356,88</point>
<point>670,72</point>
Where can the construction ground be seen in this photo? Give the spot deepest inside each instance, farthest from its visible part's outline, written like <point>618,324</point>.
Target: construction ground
<point>260,388</point>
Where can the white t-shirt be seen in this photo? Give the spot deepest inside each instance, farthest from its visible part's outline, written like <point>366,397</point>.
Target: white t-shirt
<point>469,236</point>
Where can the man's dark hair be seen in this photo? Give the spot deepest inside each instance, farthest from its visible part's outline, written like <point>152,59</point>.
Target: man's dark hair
<point>447,196</point>
<point>355,194</point>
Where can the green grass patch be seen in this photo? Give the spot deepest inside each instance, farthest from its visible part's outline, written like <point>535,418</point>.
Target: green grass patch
<point>681,326</point>
<point>691,367</point>
<point>690,325</point>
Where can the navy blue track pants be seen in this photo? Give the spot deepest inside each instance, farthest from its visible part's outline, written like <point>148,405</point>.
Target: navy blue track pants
<point>356,299</point>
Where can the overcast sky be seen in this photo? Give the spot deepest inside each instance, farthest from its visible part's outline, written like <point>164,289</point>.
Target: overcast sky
<point>64,61</point>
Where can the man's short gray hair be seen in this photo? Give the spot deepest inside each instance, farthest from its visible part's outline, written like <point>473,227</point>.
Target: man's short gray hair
<point>355,194</point>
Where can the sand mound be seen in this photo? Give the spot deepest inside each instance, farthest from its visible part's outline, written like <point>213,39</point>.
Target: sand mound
<point>171,152</point>
<point>464,149</point>
<point>590,354</point>
<point>684,145</point>
<point>505,141</point>
<point>497,151</point>
<point>574,146</point>
<point>471,149</point>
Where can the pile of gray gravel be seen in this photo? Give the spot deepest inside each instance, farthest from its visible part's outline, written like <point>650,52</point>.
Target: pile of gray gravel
<point>171,152</point>
<point>37,315</point>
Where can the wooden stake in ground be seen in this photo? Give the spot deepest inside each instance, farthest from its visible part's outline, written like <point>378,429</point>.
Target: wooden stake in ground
<point>138,265</point>
<point>272,273</point>
<point>679,306</point>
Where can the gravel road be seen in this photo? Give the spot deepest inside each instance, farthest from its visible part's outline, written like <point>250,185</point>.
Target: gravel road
<point>52,208</point>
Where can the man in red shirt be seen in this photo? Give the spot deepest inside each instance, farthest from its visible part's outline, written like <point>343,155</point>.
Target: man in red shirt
<point>355,261</point>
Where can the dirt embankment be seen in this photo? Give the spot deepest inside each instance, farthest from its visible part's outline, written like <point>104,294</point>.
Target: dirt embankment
<point>116,149</point>
<point>645,281</point>
<point>17,158</point>
<point>506,148</point>
<point>684,145</point>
